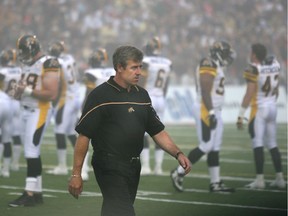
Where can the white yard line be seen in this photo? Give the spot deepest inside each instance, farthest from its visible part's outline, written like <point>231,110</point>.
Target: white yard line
<point>210,204</point>
<point>145,195</point>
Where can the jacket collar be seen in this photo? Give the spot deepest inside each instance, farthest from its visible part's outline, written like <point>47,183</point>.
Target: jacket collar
<point>119,88</point>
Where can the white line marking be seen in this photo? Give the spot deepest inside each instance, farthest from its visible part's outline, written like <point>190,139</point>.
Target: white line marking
<point>209,204</point>
<point>141,195</point>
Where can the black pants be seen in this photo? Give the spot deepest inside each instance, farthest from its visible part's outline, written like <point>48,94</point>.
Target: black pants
<point>118,180</point>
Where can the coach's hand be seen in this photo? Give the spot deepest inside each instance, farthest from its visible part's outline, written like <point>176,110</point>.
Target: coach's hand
<point>75,185</point>
<point>184,162</point>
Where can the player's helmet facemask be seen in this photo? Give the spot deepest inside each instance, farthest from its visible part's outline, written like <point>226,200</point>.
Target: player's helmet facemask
<point>222,52</point>
<point>98,58</point>
<point>56,48</point>
<point>27,48</point>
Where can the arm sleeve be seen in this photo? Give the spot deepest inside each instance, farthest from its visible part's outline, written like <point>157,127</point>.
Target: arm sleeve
<point>250,74</point>
<point>154,125</point>
<point>91,117</point>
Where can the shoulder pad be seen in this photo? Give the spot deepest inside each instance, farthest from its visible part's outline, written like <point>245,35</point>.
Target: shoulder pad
<point>206,62</point>
<point>51,63</point>
<point>90,77</point>
<point>269,60</point>
<point>251,69</point>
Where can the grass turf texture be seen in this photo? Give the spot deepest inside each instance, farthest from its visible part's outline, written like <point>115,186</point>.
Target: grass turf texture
<point>156,196</point>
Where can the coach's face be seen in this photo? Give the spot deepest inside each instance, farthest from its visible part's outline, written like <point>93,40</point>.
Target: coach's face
<point>129,75</point>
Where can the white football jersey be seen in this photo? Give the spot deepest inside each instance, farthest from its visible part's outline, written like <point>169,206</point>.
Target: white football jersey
<point>158,71</point>
<point>32,75</point>
<point>267,78</point>
<point>69,68</point>
<point>101,75</point>
<point>12,77</point>
<point>218,92</point>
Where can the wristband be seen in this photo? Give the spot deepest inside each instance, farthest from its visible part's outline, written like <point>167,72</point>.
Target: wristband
<point>27,91</point>
<point>177,154</point>
<point>241,112</point>
<point>76,176</point>
<point>211,112</point>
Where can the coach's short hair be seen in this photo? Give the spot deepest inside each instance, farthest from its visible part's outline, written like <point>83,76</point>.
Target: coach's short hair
<point>124,53</point>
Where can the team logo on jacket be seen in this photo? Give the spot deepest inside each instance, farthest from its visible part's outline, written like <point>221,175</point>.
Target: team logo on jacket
<point>131,109</point>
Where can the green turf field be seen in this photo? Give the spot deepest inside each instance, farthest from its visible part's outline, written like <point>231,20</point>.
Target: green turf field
<point>156,196</point>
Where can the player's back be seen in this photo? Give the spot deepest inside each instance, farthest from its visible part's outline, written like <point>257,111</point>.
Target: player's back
<point>70,71</point>
<point>268,83</point>
<point>12,77</point>
<point>158,71</point>
<point>99,75</point>
<point>208,66</point>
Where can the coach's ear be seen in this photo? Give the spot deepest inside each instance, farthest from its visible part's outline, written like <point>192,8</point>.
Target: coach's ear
<point>119,68</point>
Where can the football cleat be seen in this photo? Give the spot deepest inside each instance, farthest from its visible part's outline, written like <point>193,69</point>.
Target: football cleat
<point>14,167</point>
<point>278,183</point>
<point>38,198</point>
<point>158,171</point>
<point>58,171</point>
<point>85,175</point>
<point>145,171</point>
<point>177,180</point>
<point>257,184</point>
<point>220,187</point>
<point>5,174</point>
<point>23,200</point>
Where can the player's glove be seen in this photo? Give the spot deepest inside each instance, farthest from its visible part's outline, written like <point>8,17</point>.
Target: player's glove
<point>240,123</point>
<point>212,121</point>
<point>241,118</point>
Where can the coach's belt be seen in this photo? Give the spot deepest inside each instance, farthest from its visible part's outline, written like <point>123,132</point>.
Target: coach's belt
<point>28,108</point>
<point>121,158</point>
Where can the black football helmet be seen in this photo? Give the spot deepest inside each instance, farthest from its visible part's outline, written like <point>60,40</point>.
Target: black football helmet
<point>269,60</point>
<point>56,48</point>
<point>153,46</point>
<point>27,47</point>
<point>222,52</point>
<point>98,58</point>
<point>8,56</point>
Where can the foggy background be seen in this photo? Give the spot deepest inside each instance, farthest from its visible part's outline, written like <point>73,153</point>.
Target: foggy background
<point>186,28</point>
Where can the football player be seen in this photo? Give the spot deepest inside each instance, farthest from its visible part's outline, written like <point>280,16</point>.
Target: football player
<point>262,77</point>
<point>5,138</point>
<point>12,75</point>
<point>37,90</point>
<point>67,109</point>
<point>155,79</point>
<point>95,75</point>
<point>210,98</point>
<point>98,72</point>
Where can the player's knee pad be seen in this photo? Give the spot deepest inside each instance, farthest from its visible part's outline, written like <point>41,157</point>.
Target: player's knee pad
<point>7,150</point>
<point>16,140</point>
<point>157,147</point>
<point>213,158</point>
<point>34,167</point>
<point>195,155</point>
<point>146,142</point>
<point>72,139</point>
<point>61,141</point>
